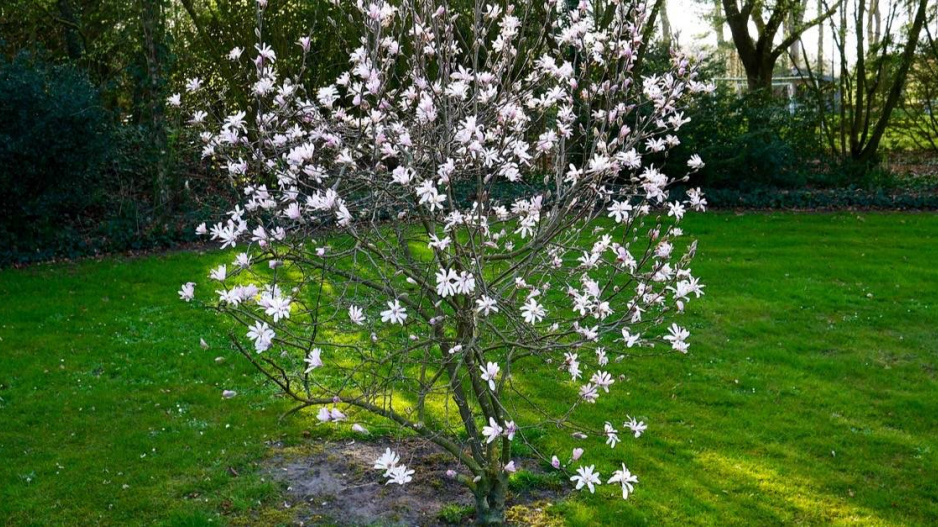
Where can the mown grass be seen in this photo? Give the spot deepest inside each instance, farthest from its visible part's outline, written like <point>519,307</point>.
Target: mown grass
<point>809,396</point>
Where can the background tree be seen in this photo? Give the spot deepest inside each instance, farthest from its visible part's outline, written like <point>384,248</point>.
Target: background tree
<point>872,86</point>
<point>920,99</point>
<point>759,54</point>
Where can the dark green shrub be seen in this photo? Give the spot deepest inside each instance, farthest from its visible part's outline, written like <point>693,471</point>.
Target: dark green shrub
<point>54,140</point>
<point>752,141</point>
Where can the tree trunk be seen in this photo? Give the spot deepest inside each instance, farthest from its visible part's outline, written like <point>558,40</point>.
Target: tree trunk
<point>759,74</point>
<point>819,69</point>
<point>665,25</point>
<point>490,500</point>
<point>153,26</point>
<point>868,153</point>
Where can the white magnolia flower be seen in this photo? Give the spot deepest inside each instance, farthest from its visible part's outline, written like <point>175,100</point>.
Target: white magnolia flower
<point>586,477</point>
<point>637,427</point>
<point>630,339</point>
<point>624,478</point>
<point>262,336</point>
<point>619,211</point>
<point>465,283</point>
<point>446,282</point>
<point>695,162</point>
<point>589,393</point>
<point>359,429</point>
<point>219,273</point>
<point>510,429</point>
<point>612,435</point>
<point>399,474</point>
<point>313,360</point>
<point>387,460</point>
<point>395,314</point>
<point>275,305</point>
<point>187,291</point>
<point>486,305</point>
<point>677,336</point>
<point>489,373</point>
<point>356,315</point>
<point>193,84</point>
<point>532,311</point>
<point>492,431</point>
<point>602,380</point>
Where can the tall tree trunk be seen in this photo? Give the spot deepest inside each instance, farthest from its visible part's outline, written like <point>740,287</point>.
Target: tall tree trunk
<point>154,27</point>
<point>74,45</point>
<point>795,20</point>
<point>666,33</point>
<point>819,69</point>
<point>716,22</point>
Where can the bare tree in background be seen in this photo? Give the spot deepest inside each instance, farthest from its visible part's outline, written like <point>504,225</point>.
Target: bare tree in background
<point>872,86</point>
<point>920,103</point>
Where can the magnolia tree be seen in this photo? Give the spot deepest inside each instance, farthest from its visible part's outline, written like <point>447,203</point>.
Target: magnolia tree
<point>382,273</point>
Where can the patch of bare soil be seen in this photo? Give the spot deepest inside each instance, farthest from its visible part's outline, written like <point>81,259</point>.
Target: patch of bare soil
<point>335,485</point>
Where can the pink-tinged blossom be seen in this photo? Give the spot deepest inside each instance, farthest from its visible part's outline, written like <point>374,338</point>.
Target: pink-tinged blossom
<point>589,393</point>
<point>510,429</point>
<point>490,373</point>
<point>491,431</point>
<point>356,315</point>
<point>602,380</point>
<point>219,273</point>
<point>359,429</point>
<point>313,360</point>
<point>577,453</point>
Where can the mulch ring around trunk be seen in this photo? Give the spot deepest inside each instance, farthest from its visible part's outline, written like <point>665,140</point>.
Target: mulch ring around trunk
<point>333,484</point>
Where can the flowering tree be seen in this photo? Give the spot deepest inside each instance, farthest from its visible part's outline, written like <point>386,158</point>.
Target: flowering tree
<point>382,274</point>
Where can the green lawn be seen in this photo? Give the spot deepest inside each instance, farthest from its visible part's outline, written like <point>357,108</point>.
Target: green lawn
<point>810,394</point>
